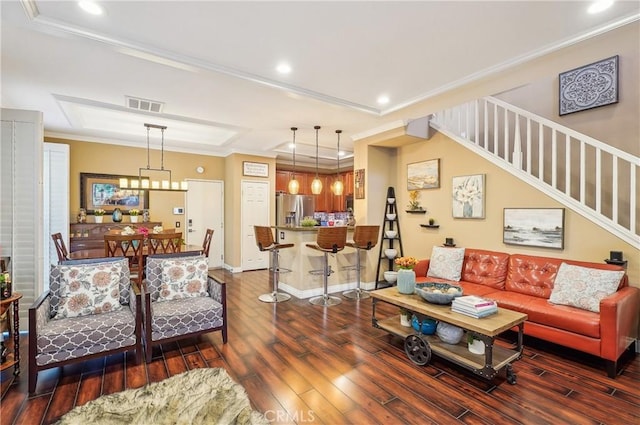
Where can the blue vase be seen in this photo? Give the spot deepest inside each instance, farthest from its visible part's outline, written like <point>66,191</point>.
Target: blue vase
<point>117,215</point>
<point>406,281</point>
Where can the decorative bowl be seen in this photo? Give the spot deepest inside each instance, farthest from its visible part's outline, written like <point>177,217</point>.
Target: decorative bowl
<point>391,216</point>
<point>391,253</point>
<point>390,276</point>
<point>428,325</point>
<point>390,233</point>
<point>448,333</point>
<point>391,200</point>
<point>438,293</point>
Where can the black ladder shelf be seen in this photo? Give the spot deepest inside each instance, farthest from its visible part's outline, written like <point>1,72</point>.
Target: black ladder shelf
<point>392,224</point>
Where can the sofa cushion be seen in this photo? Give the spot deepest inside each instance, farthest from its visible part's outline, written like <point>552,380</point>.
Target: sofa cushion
<point>183,278</point>
<point>584,287</point>
<point>485,267</point>
<point>55,276</point>
<point>88,289</point>
<point>446,263</point>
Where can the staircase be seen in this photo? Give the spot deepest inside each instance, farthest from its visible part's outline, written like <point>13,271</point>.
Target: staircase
<point>592,178</point>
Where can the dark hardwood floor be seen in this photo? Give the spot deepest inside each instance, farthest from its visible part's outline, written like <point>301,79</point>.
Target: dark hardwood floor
<point>305,364</point>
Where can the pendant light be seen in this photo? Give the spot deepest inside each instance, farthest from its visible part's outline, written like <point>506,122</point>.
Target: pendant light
<point>316,184</point>
<point>338,187</point>
<point>294,185</point>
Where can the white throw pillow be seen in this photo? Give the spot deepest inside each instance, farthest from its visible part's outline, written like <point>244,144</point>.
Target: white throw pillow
<point>584,287</point>
<point>446,263</point>
<point>184,278</point>
<point>89,289</point>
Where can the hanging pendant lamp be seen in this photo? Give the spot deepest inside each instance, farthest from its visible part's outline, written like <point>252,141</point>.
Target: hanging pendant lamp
<point>316,184</point>
<point>338,187</point>
<point>294,185</point>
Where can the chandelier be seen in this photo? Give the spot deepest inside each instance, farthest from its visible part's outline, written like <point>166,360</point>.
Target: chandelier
<point>144,182</point>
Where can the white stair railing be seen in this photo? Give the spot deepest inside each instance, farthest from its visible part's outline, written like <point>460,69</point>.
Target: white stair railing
<point>594,179</point>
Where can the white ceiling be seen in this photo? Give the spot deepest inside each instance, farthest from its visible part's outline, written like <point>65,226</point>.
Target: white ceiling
<point>213,64</point>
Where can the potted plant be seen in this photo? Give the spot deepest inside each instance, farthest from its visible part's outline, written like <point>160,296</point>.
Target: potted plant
<point>414,204</point>
<point>432,221</point>
<point>133,215</point>
<point>405,317</point>
<point>98,213</point>
<point>406,276</point>
<point>474,344</point>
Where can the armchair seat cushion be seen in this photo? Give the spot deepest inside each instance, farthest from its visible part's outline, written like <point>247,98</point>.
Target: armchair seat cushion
<point>182,316</point>
<point>85,331</point>
<point>43,359</point>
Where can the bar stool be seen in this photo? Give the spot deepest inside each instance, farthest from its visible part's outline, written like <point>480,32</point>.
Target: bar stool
<point>265,242</point>
<point>329,240</point>
<point>364,237</point>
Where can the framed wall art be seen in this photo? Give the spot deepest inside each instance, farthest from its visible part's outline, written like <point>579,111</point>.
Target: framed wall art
<point>539,227</point>
<point>255,169</point>
<point>589,86</point>
<point>358,181</point>
<point>468,196</point>
<point>103,191</point>
<point>423,175</point>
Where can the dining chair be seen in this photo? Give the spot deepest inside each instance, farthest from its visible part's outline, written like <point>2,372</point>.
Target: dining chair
<point>61,249</point>
<point>206,244</point>
<point>164,243</point>
<point>130,247</point>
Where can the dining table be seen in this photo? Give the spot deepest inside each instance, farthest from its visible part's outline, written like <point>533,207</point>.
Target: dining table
<point>84,254</point>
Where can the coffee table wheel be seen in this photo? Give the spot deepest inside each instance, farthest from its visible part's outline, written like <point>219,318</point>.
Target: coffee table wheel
<point>511,376</point>
<point>417,349</point>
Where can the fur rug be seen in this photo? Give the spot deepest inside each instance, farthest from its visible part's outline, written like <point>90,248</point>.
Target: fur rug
<point>199,396</point>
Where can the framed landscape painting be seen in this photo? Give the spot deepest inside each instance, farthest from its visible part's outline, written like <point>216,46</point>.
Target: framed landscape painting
<point>423,175</point>
<point>539,227</point>
<point>103,191</point>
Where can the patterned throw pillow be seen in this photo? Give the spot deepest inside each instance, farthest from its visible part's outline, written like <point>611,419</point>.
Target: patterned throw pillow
<point>583,287</point>
<point>446,263</point>
<point>183,278</point>
<point>89,289</point>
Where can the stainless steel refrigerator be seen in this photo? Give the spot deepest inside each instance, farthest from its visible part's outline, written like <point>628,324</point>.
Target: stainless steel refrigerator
<point>290,209</point>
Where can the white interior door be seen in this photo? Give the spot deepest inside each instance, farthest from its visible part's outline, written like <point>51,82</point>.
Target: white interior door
<point>205,210</point>
<point>255,212</point>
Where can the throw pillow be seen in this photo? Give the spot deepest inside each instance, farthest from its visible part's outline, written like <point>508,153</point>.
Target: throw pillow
<point>184,278</point>
<point>89,289</point>
<point>584,287</point>
<point>446,263</point>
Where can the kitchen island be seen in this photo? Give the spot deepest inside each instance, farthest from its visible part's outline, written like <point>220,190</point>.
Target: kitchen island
<point>301,260</point>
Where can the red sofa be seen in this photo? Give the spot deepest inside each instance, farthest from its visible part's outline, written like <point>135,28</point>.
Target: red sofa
<point>524,283</point>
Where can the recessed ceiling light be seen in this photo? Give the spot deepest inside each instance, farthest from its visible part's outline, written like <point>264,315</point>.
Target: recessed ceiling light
<point>283,68</point>
<point>599,6</point>
<point>90,7</point>
<point>383,100</point>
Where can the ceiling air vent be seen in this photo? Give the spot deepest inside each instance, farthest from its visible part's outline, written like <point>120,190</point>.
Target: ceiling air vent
<point>143,104</point>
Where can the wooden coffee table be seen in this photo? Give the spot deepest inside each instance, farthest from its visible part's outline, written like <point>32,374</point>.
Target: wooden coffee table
<point>419,347</point>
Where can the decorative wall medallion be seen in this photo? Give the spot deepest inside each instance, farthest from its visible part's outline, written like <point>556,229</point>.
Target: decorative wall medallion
<point>589,86</point>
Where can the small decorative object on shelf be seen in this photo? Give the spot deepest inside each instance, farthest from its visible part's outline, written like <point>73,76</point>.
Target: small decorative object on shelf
<point>405,317</point>
<point>133,215</point>
<point>97,214</point>
<point>5,285</point>
<point>475,346</point>
<point>414,204</point>
<point>82,216</point>
<point>146,216</point>
<point>449,242</point>
<point>432,221</point>
<point>116,216</point>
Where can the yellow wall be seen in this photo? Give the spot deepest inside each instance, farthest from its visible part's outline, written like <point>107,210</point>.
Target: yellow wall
<point>99,158</point>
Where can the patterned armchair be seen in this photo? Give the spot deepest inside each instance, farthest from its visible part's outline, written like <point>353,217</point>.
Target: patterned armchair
<point>91,309</point>
<point>181,300</point>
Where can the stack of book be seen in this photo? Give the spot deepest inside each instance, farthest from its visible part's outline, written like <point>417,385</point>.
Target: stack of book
<point>474,306</point>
